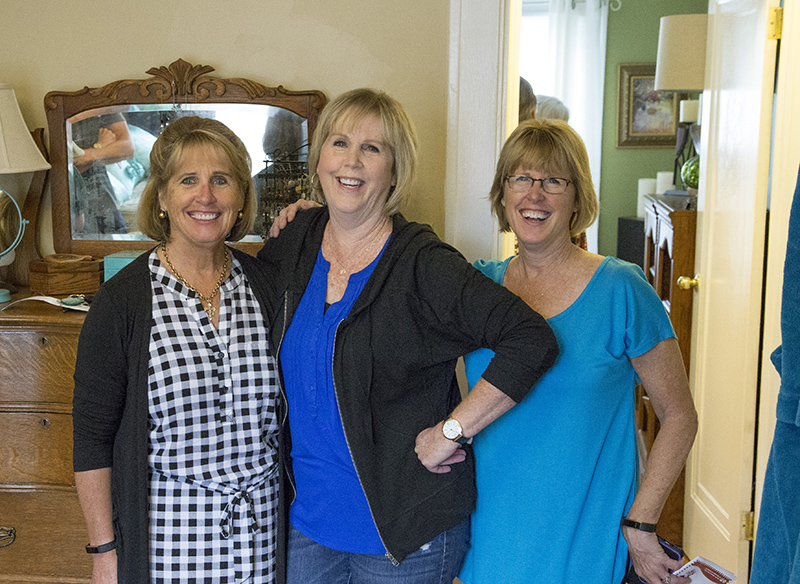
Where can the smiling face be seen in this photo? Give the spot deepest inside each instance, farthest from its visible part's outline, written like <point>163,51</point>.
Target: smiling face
<point>356,169</point>
<point>537,217</point>
<point>202,199</point>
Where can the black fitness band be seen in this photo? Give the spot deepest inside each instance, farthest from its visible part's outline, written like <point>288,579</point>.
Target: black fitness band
<point>648,527</point>
<point>101,549</point>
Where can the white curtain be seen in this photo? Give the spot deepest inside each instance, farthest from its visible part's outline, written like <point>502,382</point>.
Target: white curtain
<point>578,49</point>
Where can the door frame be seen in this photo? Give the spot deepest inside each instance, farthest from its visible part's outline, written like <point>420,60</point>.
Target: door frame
<point>785,163</point>
<point>481,40</point>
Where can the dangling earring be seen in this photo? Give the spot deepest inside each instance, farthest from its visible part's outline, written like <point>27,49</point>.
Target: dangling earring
<point>162,214</point>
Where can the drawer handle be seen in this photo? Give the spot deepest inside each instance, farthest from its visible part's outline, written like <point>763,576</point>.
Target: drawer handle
<point>43,342</point>
<point>7,536</point>
<point>44,422</point>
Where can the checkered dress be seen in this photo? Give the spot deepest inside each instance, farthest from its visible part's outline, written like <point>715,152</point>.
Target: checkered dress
<point>213,399</point>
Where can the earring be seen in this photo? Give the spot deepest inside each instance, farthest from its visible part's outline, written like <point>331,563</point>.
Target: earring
<point>240,214</point>
<point>162,214</point>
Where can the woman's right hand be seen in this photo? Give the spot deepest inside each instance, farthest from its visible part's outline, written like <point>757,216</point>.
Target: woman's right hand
<point>651,563</point>
<point>104,570</point>
<point>287,214</point>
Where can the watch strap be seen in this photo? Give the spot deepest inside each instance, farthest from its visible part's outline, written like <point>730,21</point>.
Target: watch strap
<point>101,549</point>
<point>648,527</point>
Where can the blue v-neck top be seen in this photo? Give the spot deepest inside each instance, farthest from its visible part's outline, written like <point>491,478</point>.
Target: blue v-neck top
<point>331,507</point>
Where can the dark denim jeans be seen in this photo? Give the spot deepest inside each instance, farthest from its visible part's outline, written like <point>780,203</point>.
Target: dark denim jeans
<point>437,562</point>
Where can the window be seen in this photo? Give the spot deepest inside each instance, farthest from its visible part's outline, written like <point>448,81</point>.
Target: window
<point>535,62</point>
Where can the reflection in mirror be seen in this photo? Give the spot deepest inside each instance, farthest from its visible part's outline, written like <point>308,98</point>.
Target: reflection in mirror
<point>100,141</point>
<point>108,158</point>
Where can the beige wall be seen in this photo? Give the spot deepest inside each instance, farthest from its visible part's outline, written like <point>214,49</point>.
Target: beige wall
<point>331,45</point>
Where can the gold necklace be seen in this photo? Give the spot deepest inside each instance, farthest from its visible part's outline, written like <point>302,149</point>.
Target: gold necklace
<point>207,300</point>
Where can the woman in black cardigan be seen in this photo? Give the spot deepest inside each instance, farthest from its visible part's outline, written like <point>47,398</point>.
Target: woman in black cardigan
<point>373,315</point>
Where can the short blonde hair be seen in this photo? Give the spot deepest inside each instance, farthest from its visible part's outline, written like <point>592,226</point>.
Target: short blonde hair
<point>349,109</point>
<point>552,147</point>
<point>184,133</point>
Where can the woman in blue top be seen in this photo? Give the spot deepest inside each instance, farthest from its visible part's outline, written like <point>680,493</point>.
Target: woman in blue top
<point>372,315</point>
<point>558,472</point>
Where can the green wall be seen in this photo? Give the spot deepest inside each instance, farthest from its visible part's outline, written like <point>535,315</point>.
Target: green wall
<point>632,38</point>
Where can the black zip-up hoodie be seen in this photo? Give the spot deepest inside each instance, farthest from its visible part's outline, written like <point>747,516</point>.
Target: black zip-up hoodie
<point>394,364</point>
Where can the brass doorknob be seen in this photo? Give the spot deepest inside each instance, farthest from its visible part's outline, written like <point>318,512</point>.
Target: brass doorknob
<point>687,282</point>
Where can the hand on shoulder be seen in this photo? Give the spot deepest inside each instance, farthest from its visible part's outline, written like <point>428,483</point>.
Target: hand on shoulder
<point>288,214</point>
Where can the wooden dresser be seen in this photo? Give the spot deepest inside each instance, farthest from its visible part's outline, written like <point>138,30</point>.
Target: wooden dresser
<point>38,344</point>
<point>669,240</point>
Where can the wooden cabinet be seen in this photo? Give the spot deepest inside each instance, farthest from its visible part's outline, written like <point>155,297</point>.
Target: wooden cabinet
<point>669,240</point>
<point>38,344</point>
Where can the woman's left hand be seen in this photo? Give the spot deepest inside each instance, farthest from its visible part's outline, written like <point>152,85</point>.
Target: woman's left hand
<point>651,563</point>
<point>437,453</point>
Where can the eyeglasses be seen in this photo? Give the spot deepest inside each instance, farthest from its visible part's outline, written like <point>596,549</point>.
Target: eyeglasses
<point>551,185</point>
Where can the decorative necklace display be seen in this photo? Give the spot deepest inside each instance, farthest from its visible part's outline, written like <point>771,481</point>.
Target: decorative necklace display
<point>207,301</point>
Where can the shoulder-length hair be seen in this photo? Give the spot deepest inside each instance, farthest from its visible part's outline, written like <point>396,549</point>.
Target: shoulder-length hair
<point>347,110</point>
<point>552,147</point>
<point>167,152</point>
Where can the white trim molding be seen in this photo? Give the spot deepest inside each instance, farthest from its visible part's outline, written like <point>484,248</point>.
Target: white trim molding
<point>476,126</point>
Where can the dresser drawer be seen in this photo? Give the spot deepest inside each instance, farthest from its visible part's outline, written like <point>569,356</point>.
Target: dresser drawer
<point>36,449</point>
<point>37,365</point>
<point>50,538</point>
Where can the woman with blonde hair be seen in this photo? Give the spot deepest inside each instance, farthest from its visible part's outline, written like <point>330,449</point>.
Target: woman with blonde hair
<point>559,497</point>
<point>374,312</point>
<point>177,408</point>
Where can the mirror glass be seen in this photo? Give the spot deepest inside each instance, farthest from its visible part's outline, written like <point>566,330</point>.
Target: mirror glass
<point>101,137</point>
<point>108,160</point>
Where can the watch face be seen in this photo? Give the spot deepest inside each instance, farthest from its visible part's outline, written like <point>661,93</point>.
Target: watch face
<point>451,429</point>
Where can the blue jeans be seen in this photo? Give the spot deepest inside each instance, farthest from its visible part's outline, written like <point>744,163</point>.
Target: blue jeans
<point>437,562</point>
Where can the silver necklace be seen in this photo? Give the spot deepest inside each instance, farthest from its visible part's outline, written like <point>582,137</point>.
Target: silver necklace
<point>365,252</point>
<point>206,300</point>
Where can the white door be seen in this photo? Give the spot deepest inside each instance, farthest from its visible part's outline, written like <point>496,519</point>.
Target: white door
<point>732,203</point>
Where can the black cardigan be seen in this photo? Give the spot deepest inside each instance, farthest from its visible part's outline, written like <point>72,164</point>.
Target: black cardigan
<point>110,411</point>
<point>394,364</point>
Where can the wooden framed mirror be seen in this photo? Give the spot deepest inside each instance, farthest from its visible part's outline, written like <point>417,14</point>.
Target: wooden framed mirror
<point>100,140</point>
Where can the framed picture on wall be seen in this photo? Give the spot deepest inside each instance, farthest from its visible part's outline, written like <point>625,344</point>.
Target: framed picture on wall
<point>646,118</point>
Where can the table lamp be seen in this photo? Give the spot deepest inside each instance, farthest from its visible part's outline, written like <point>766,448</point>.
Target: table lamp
<point>681,67</point>
<point>18,154</point>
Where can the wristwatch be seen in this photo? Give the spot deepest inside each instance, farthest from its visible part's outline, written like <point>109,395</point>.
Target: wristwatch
<point>451,428</point>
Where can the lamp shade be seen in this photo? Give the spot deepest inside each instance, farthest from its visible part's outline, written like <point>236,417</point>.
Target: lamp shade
<point>18,151</point>
<point>681,62</point>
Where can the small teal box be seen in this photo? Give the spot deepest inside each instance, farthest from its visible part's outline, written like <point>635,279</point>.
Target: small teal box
<point>114,262</point>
